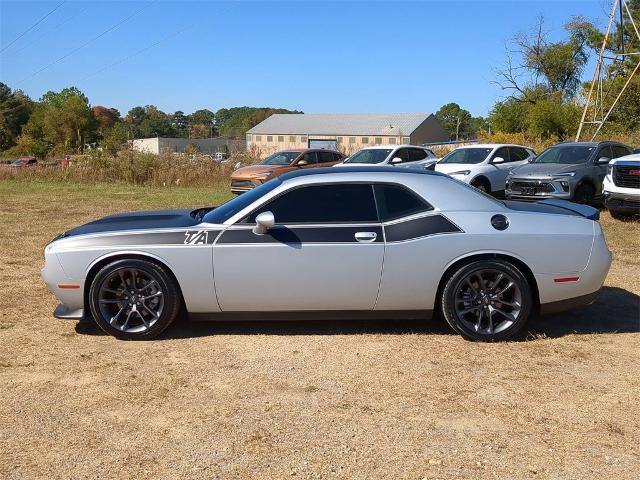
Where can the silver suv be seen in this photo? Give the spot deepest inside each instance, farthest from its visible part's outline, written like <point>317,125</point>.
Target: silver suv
<point>571,171</point>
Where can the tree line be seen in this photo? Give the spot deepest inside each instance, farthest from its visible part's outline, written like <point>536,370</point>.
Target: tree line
<point>65,122</point>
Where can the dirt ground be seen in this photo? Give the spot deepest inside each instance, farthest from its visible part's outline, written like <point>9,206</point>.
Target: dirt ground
<point>327,399</point>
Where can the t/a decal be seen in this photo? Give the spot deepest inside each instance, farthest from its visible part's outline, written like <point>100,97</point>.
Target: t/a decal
<point>201,237</point>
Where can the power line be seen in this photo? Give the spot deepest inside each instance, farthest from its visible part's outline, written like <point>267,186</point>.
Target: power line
<point>67,55</point>
<point>53,29</point>
<point>133,55</point>
<point>31,27</point>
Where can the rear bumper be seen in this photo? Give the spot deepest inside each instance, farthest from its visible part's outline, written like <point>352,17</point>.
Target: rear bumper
<point>568,304</point>
<point>65,313</point>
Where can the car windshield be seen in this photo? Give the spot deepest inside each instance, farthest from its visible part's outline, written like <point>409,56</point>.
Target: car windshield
<point>280,158</point>
<point>374,155</point>
<point>467,155</point>
<point>565,154</point>
<point>227,210</point>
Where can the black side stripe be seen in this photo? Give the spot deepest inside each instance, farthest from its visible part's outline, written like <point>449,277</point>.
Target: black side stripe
<point>419,227</point>
<point>297,236</point>
<point>183,237</point>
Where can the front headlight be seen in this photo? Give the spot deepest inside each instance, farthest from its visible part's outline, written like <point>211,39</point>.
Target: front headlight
<point>565,174</point>
<point>263,175</point>
<point>461,173</point>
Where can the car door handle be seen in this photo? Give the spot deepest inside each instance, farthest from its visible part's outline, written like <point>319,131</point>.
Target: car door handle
<point>366,237</point>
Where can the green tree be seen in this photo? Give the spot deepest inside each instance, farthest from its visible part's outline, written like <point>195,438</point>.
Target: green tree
<point>116,138</point>
<point>180,124</point>
<point>455,119</point>
<point>202,117</point>
<point>15,109</point>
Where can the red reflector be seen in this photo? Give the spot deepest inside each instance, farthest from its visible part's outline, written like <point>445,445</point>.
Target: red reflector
<point>68,286</point>
<point>566,279</point>
<point>634,172</point>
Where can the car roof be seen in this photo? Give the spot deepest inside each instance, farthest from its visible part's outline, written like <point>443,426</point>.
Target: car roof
<point>392,146</point>
<point>591,144</point>
<point>492,145</point>
<point>358,169</point>
<point>304,150</point>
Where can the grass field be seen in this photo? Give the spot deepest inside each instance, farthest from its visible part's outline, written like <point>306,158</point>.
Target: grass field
<point>327,399</point>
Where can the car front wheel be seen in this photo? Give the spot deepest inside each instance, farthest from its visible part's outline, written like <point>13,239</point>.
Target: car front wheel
<point>487,300</point>
<point>134,299</point>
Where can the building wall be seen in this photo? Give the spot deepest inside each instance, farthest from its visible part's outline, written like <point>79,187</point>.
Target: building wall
<point>178,145</point>
<point>431,130</point>
<point>265,145</point>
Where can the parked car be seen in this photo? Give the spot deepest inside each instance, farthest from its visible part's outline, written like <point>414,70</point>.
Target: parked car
<point>312,243</point>
<point>621,187</point>
<point>24,162</point>
<point>396,155</point>
<point>244,179</point>
<point>570,171</point>
<point>484,166</point>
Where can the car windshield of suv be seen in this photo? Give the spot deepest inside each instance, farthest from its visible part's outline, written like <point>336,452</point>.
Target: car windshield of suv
<point>374,155</point>
<point>227,210</point>
<point>467,155</point>
<point>280,158</point>
<point>565,154</point>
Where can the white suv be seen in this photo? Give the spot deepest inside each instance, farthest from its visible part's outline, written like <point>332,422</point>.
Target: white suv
<point>621,187</point>
<point>484,166</point>
<point>398,155</point>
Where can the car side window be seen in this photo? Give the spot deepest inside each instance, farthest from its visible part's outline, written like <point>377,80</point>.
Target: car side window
<point>310,158</point>
<point>517,154</point>
<point>401,153</point>
<point>333,203</point>
<point>619,151</point>
<point>416,154</point>
<point>396,201</point>
<point>337,157</point>
<point>604,152</point>
<point>326,157</point>
<point>502,152</point>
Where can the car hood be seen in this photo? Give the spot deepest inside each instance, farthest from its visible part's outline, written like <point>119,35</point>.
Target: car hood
<point>455,167</point>
<point>253,170</point>
<point>542,170</point>
<point>136,221</point>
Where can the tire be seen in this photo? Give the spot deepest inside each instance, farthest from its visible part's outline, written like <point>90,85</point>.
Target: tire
<point>482,185</point>
<point>584,194</point>
<point>144,309</point>
<point>475,311</point>
<point>622,216</point>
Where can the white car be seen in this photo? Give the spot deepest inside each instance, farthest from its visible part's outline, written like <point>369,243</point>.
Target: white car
<point>396,155</point>
<point>484,166</point>
<point>621,187</point>
<point>356,242</point>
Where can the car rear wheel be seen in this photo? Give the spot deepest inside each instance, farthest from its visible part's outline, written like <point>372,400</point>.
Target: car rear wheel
<point>481,185</point>
<point>487,300</point>
<point>584,194</point>
<point>134,299</point>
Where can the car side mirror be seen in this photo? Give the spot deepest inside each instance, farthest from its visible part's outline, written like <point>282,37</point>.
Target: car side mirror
<point>395,160</point>
<point>498,160</point>
<point>604,160</point>
<point>531,159</point>
<point>264,222</point>
<point>302,163</point>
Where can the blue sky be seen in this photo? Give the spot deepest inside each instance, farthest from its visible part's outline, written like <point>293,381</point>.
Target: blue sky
<point>383,56</point>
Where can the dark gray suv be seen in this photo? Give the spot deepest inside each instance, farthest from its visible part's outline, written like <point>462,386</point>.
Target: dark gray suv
<point>570,171</point>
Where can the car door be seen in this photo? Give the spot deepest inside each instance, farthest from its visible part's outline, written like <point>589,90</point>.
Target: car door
<point>498,173</point>
<point>327,159</point>
<point>325,253</point>
<point>401,153</point>
<point>597,169</point>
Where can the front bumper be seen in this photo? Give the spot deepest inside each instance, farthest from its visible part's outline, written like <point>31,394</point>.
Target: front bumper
<point>532,190</point>
<point>621,199</point>
<point>65,313</point>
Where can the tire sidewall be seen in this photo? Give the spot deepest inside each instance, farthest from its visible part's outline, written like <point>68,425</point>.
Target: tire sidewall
<point>172,299</point>
<point>588,197</point>
<point>449,291</point>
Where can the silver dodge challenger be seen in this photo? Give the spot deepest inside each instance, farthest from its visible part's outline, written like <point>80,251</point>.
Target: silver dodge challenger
<point>354,242</point>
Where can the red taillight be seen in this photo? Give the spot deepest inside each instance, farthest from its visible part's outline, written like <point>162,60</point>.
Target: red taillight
<point>566,279</point>
<point>68,286</point>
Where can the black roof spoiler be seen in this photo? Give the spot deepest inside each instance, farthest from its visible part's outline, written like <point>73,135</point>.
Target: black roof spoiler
<point>584,210</point>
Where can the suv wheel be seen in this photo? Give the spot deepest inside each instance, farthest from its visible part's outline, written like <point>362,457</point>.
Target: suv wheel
<point>482,185</point>
<point>487,300</point>
<point>584,194</point>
